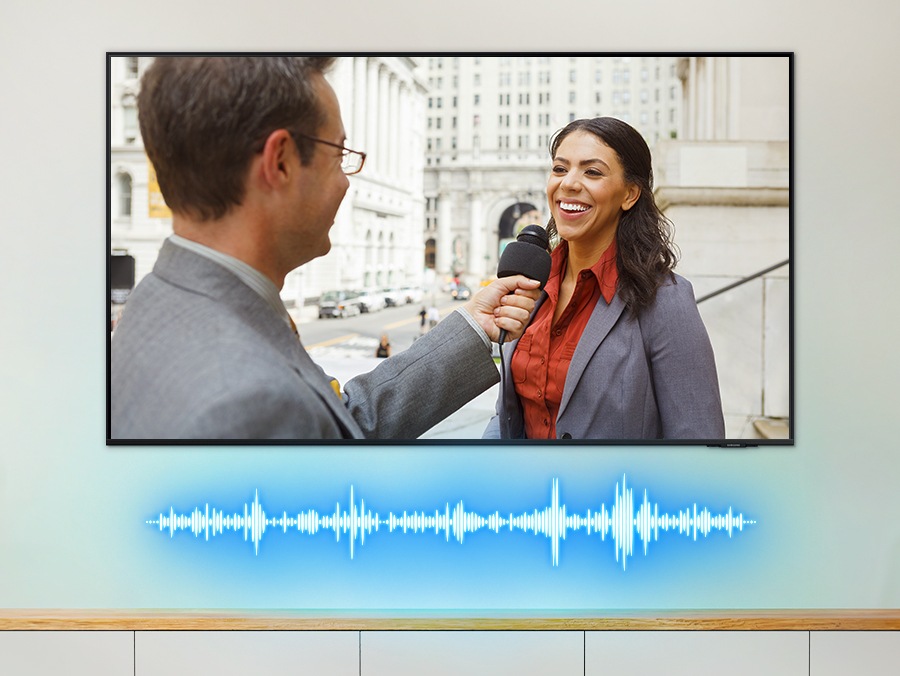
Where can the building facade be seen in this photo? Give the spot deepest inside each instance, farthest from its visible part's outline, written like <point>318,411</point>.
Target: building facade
<point>725,184</point>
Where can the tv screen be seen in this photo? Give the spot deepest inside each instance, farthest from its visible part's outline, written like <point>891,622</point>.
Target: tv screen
<point>663,180</point>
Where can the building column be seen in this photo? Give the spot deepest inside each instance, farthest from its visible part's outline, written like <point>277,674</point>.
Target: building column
<point>383,119</point>
<point>372,111</point>
<point>444,244</point>
<point>693,104</point>
<point>393,136</point>
<point>359,103</point>
<point>476,236</point>
<point>404,137</point>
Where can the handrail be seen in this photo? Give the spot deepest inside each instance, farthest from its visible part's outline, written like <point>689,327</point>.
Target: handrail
<point>743,281</point>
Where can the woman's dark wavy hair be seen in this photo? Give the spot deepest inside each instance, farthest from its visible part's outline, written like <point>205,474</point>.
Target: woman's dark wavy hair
<point>645,253</point>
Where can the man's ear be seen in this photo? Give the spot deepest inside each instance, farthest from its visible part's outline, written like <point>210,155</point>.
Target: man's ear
<point>275,167</point>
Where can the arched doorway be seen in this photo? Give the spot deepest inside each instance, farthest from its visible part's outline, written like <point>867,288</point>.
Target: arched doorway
<point>430,253</point>
<point>513,219</point>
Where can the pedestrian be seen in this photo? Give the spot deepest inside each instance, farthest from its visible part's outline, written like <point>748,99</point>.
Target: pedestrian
<point>384,347</point>
<point>434,316</point>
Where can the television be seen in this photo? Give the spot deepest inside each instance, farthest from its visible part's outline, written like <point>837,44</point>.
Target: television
<point>458,148</point>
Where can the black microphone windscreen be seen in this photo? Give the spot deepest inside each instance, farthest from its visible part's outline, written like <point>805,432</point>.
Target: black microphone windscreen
<point>527,256</point>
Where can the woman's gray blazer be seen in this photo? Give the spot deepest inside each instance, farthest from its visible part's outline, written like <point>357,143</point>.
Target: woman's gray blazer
<point>646,377</point>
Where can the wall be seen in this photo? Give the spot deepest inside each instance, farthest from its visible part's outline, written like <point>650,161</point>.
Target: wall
<point>74,536</point>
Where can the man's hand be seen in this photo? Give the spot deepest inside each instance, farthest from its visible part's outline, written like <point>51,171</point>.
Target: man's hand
<point>506,303</point>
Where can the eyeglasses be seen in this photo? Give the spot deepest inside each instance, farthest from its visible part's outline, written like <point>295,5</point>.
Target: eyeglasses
<point>352,161</point>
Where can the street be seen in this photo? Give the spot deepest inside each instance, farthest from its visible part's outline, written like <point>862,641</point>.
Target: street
<point>345,348</point>
<point>358,336</point>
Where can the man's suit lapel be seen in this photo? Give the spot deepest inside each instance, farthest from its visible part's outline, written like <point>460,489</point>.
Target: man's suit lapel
<point>195,273</point>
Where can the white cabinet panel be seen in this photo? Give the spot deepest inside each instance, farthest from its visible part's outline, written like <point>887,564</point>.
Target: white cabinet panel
<point>838,653</point>
<point>238,653</point>
<point>74,653</point>
<point>473,653</point>
<point>697,653</point>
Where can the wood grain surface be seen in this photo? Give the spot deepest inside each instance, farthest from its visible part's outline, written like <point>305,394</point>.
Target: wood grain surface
<point>177,620</point>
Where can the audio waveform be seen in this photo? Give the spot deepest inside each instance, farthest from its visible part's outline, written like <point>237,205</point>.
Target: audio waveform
<point>620,522</point>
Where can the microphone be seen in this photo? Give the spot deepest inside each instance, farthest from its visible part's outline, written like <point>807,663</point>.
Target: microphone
<point>529,255</point>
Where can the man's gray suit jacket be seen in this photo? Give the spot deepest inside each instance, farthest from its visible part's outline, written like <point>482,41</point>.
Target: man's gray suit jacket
<point>647,377</point>
<point>200,355</point>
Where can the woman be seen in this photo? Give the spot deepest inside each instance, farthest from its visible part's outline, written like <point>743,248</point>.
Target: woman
<point>384,347</point>
<point>616,348</point>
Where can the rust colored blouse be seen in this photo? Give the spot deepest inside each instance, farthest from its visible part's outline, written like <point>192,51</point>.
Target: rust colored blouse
<point>542,356</point>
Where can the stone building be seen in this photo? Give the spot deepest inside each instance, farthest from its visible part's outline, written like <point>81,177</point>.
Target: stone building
<point>725,184</point>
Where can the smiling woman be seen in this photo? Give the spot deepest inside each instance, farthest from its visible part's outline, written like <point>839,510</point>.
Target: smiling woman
<point>616,348</point>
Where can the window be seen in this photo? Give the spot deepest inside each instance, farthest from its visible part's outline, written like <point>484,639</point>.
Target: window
<point>571,97</point>
<point>130,121</point>
<point>124,181</point>
<point>573,76</point>
<point>477,99</point>
<point>131,67</point>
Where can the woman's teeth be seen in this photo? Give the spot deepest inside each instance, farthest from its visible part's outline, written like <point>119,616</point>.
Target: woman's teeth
<point>572,207</point>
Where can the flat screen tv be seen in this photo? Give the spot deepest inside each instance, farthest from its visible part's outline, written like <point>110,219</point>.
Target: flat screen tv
<point>458,160</point>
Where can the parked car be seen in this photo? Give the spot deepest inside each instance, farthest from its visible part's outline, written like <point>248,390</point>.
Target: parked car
<point>413,294</point>
<point>371,300</point>
<point>461,292</point>
<point>339,304</point>
<point>393,297</point>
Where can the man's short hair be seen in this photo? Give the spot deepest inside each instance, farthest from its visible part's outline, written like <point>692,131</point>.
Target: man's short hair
<point>203,118</point>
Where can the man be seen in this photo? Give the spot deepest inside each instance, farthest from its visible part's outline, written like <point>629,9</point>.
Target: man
<point>249,154</point>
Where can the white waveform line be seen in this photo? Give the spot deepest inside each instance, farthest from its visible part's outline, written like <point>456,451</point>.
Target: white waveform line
<point>621,522</point>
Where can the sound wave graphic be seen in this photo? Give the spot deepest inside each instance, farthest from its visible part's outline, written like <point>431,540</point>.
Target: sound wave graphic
<point>620,522</point>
